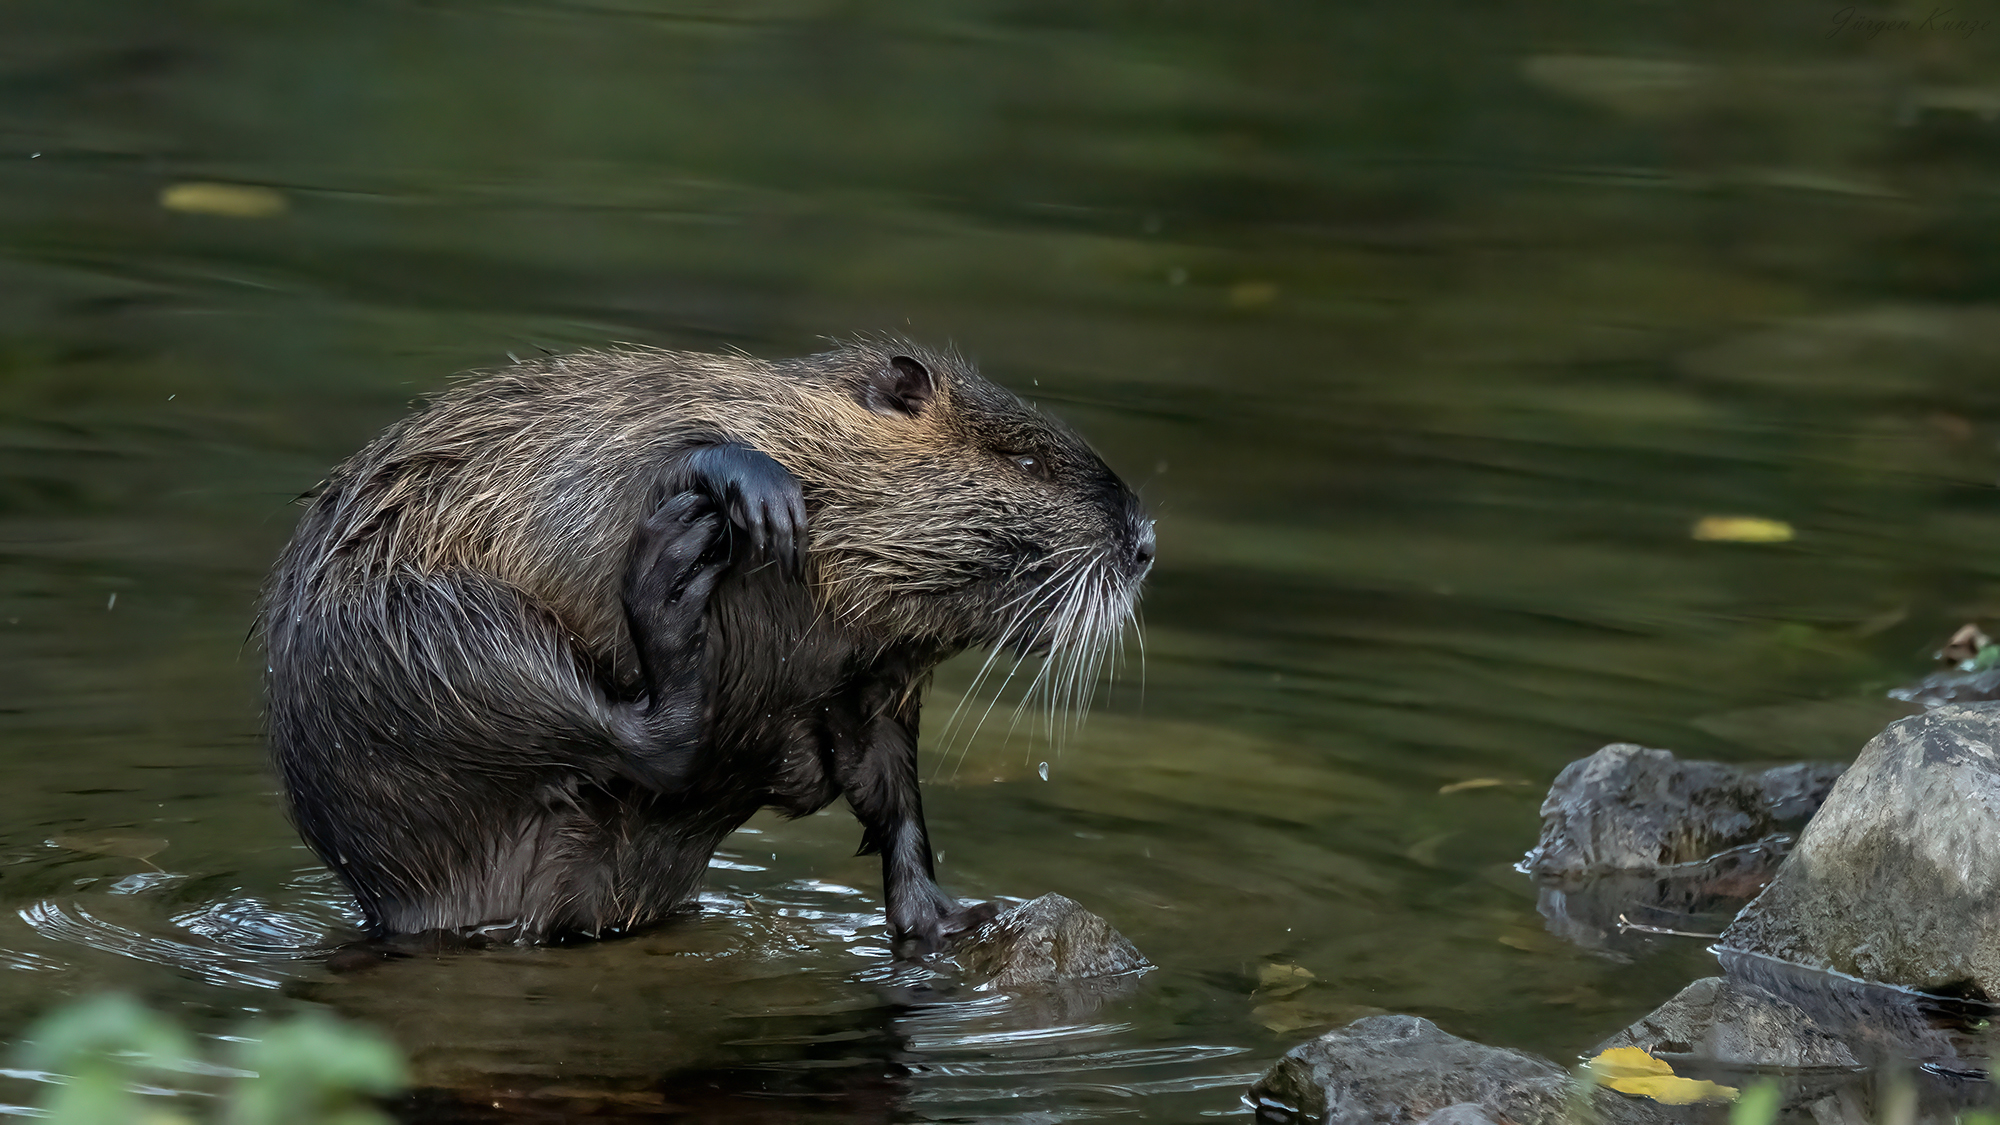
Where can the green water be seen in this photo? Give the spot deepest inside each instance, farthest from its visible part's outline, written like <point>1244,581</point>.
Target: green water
<point>1428,331</point>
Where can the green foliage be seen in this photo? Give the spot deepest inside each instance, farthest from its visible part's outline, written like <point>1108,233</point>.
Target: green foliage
<point>1758,1104</point>
<point>306,1070</point>
<point>1582,1108</point>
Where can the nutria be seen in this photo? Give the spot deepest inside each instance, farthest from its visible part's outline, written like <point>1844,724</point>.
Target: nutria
<point>540,646</point>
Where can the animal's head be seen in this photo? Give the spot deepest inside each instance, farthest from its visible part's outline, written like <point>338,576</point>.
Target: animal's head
<point>943,508</point>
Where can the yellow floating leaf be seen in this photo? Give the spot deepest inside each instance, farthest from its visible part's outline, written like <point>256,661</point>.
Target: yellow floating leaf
<point>1470,783</point>
<point>238,201</point>
<point>1670,1090</point>
<point>1630,1070</point>
<point>1627,1062</point>
<point>1742,529</point>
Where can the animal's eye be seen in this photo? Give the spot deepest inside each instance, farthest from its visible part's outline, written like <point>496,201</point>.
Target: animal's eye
<point>1030,464</point>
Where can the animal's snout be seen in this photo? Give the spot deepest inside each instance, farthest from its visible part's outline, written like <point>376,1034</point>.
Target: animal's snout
<point>1144,546</point>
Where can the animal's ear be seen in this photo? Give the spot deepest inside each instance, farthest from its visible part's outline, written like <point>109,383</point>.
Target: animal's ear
<point>901,386</point>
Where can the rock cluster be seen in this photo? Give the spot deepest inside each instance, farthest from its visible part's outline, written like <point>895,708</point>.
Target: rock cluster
<point>1876,942</point>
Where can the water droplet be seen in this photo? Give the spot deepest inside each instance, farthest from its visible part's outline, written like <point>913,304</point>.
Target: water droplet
<point>1044,771</point>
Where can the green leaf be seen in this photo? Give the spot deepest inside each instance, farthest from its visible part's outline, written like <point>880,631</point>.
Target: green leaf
<point>1758,1105</point>
<point>72,1038</point>
<point>313,1069</point>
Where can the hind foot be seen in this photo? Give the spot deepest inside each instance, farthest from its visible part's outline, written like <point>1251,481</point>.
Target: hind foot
<point>936,933</point>
<point>674,564</point>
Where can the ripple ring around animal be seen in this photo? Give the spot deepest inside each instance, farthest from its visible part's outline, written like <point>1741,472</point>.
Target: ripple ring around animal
<point>537,649</point>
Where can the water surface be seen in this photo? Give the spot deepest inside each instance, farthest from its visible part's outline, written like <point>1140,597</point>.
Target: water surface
<point>1428,332</point>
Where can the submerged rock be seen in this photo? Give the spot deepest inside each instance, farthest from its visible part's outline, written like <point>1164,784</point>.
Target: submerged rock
<point>1735,1023</point>
<point>1628,808</point>
<point>1941,689</point>
<point>1049,941</point>
<point>1897,879</point>
<point>1404,1069</point>
<point>1831,1037</point>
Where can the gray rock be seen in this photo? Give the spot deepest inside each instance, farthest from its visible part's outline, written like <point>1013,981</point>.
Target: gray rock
<point>1049,941</point>
<point>1832,1034</point>
<point>1941,688</point>
<point>1628,808</point>
<point>1403,1069</point>
<point>1463,1113</point>
<point>1897,879</point>
<point>1735,1023</point>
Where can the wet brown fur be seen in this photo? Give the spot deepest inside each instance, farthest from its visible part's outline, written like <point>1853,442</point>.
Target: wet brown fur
<point>457,706</point>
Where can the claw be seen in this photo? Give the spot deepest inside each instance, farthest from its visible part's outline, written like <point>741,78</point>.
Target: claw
<point>760,495</point>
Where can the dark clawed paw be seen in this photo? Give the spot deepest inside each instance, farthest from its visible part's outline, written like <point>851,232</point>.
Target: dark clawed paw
<point>937,933</point>
<point>968,918</point>
<point>762,498</point>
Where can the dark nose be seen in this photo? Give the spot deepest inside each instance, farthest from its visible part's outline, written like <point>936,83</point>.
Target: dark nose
<point>1143,548</point>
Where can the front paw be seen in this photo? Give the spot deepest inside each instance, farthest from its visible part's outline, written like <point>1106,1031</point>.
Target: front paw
<point>761,497</point>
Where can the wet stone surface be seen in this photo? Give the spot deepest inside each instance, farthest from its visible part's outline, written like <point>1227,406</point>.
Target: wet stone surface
<point>1823,1036</point>
<point>1941,689</point>
<point>1629,808</point>
<point>1897,879</point>
<point>1048,941</point>
<point>1734,1022</point>
<point>1405,1069</point>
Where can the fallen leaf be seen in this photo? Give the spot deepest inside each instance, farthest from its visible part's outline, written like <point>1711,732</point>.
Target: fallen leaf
<point>141,848</point>
<point>1672,1090</point>
<point>1742,529</point>
<point>1278,979</point>
<point>1627,1062</point>
<point>1630,1070</point>
<point>1473,783</point>
<point>237,201</point>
